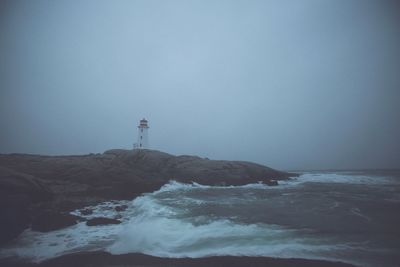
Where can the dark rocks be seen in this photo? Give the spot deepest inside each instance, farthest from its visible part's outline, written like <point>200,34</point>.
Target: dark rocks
<point>30,184</point>
<point>18,192</point>
<point>105,259</point>
<point>125,174</point>
<point>163,167</point>
<point>50,220</point>
<point>17,183</point>
<point>86,211</point>
<point>272,182</point>
<point>14,216</point>
<point>121,208</point>
<point>102,221</point>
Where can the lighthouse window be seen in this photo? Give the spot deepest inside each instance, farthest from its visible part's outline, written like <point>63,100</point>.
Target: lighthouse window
<point>141,130</point>
<point>141,137</point>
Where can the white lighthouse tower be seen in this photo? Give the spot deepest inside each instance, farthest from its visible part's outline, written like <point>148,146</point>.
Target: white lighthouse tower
<point>143,135</point>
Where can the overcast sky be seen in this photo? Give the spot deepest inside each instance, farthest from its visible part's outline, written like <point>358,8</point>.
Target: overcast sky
<point>310,84</point>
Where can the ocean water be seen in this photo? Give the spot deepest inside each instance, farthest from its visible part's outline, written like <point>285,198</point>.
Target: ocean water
<point>352,217</point>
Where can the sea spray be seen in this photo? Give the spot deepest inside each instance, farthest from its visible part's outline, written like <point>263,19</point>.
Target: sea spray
<point>312,217</point>
<point>161,230</point>
<point>164,224</point>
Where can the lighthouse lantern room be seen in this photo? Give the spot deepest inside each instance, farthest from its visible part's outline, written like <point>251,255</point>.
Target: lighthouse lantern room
<point>143,136</point>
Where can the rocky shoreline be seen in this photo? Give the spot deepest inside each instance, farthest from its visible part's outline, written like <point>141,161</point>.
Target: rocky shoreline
<point>104,259</point>
<point>39,191</point>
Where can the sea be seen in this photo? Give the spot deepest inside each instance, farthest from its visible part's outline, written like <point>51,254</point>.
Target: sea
<point>348,216</point>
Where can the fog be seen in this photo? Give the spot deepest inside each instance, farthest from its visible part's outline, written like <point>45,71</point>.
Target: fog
<point>310,84</point>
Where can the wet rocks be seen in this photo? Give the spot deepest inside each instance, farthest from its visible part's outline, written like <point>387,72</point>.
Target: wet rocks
<point>51,220</point>
<point>271,183</point>
<point>121,208</point>
<point>31,184</point>
<point>105,259</point>
<point>86,211</point>
<point>18,192</point>
<point>102,221</point>
<point>14,214</point>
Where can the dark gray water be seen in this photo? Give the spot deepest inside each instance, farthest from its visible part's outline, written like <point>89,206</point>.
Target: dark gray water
<point>348,216</point>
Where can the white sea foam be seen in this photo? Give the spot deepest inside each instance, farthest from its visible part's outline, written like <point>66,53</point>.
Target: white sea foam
<point>151,227</point>
<point>161,224</point>
<point>177,186</point>
<point>37,246</point>
<point>347,178</point>
<point>157,230</point>
<point>106,209</point>
<point>177,238</point>
<point>174,185</point>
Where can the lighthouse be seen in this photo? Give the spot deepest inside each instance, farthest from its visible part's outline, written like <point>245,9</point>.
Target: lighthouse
<point>143,135</point>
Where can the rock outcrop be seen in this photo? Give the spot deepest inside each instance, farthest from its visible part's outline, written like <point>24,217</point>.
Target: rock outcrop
<point>31,184</point>
<point>19,192</point>
<point>102,221</point>
<point>105,259</point>
<point>46,221</point>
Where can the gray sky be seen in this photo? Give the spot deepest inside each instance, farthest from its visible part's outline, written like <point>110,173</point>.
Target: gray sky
<point>291,84</point>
